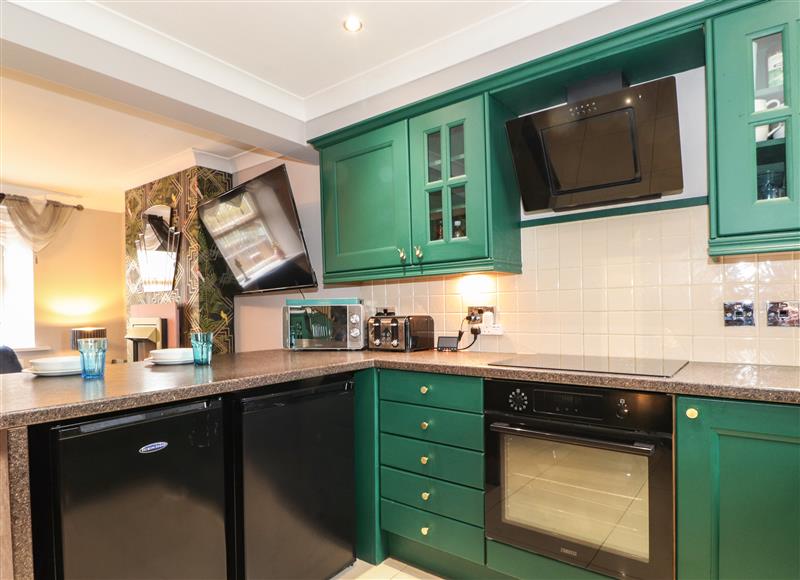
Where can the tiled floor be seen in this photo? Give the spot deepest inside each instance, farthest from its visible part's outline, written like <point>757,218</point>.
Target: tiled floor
<point>387,569</point>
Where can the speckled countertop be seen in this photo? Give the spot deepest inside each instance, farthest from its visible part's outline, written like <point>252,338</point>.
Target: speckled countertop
<point>25,399</point>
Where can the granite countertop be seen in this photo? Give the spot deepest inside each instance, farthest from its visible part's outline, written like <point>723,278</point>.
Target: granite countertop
<point>26,399</point>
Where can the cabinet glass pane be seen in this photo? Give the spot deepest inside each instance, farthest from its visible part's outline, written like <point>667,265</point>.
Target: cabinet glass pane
<point>458,209</point>
<point>434,156</point>
<point>457,168</point>
<point>435,217</point>
<point>771,160</point>
<point>768,72</point>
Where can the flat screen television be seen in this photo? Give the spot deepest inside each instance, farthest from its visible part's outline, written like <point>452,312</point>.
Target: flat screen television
<point>620,146</point>
<point>257,231</point>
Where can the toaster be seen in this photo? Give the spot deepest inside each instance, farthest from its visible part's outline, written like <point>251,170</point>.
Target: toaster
<point>400,333</point>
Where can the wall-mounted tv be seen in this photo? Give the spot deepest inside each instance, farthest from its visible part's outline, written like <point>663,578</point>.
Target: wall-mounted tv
<point>257,231</point>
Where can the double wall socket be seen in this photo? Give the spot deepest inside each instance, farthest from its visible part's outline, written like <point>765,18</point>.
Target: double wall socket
<point>483,316</point>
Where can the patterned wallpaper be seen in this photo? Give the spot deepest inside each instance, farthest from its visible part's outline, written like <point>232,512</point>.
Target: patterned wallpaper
<point>204,287</point>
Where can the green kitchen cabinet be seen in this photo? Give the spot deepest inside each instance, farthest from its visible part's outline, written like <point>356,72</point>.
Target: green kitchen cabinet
<point>432,194</point>
<point>738,490</point>
<point>754,129</point>
<point>448,184</point>
<point>365,201</point>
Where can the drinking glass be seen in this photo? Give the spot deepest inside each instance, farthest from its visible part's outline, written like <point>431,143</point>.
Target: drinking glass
<point>202,343</point>
<point>93,357</point>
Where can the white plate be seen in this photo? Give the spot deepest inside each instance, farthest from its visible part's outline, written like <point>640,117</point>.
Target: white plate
<point>176,354</point>
<point>170,362</point>
<point>56,373</point>
<point>57,363</point>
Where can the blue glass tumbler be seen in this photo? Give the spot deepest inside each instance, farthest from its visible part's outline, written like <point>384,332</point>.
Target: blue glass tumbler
<point>93,357</point>
<point>202,344</point>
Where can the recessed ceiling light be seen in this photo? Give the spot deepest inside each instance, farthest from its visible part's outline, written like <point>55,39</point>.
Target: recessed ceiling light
<point>353,24</point>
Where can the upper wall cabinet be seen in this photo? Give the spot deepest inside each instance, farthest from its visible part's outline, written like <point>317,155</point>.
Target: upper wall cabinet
<point>448,184</point>
<point>365,201</point>
<point>755,119</point>
<point>459,212</point>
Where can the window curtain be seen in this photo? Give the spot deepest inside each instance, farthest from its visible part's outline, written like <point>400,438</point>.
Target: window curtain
<point>37,228</point>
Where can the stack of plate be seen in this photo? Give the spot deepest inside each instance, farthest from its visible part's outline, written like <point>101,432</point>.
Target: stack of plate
<point>171,356</point>
<point>56,366</point>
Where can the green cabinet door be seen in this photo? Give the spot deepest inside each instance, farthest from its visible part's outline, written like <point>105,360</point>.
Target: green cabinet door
<point>365,201</point>
<point>756,64</point>
<point>448,184</point>
<point>738,490</point>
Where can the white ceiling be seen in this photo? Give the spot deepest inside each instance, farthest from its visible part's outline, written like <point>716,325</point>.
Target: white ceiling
<point>302,47</point>
<point>59,140</point>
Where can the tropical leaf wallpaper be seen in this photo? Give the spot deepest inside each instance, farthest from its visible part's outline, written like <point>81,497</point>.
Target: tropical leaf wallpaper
<point>204,287</point>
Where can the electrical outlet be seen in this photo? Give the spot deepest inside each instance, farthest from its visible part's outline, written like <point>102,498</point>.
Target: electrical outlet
<point>475,313</point>
<point>483,316</point>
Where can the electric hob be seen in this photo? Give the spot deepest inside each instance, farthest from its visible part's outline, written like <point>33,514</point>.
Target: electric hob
<point>651,367</point>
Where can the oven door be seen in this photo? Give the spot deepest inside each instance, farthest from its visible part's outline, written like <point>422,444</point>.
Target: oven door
<point>315,327</point>
<point>597,498</point>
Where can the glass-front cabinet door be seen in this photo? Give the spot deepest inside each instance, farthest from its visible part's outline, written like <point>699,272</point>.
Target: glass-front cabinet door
<point>448,184</point>
<point>756,54</point>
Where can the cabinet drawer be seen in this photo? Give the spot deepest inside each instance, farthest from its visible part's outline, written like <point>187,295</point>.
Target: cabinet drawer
<point>432,459</point>
<point>447,499</point>
<point>437,425</point>
<point>433,390</point>
<point>448,535</point>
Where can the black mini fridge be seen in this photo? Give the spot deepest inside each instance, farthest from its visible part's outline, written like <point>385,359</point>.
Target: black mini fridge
<point>297,478</point>
<point>142,495</point>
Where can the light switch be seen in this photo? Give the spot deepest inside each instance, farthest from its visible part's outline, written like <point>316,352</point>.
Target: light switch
<point>739,313</point>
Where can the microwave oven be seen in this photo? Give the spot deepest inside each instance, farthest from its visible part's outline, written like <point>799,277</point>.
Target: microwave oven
<point>336,324</point>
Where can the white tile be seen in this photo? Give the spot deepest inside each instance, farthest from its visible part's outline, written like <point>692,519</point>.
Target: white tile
<point>547,343</point>
<point>571,322</point>
<point>526,302</point>
<point>595,322</point>
<point>676,273</point>
<point>547,322</point>
<point>708,322</point>
<point>547,236</point>
<point>675,223</point>
<point>595,345</point>
<point>649,346</point>
<point>647,274</point>
<point>436,286</point>
<point>678,347</point>
<point>572,344</point>
<point>741,350</point>
<point>777,268</point>
<point>676,248</point>
<point>706,271</point>
<point>621,322</point>
<point>569,300</point>
<point>740,270</point>
<point>707,297</point>
<point>436,304</point>
<point>708,349</point>
<point>506,303</point>
<point>547,301</point>
<point>648,323</point>
<point>594,277</point>
<point>620,299</point>
<point>621,346</point>
<point>547,258</point>
<point>452,304</point>
<point>547,279</point>
<point>677,322</point>
<point>595,300</point>
<point>676,297</point>
<point>507,282</point>
<point>619,275</point>
<point>777,351</point>
<point>647,298</point>
<point>569,278</point>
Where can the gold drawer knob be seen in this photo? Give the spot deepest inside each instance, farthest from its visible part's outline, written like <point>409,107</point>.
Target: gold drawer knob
<point>692,413</point>
<point>424,390</point>
<point>424,425</point>
<point>424,460</point>
<point>425,495</point>
<point>424,531</point>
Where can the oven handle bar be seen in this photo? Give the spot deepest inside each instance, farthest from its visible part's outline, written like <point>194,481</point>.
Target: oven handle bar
<point>635,448</point>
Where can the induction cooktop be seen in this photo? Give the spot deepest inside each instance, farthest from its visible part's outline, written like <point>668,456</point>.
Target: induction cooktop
<point>651,367</point>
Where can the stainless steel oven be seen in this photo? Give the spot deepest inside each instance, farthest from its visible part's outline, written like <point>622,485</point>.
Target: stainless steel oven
<point>335,324</point>
<point>582,475</point>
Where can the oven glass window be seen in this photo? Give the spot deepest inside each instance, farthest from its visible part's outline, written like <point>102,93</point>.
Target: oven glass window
<point>596,497</point>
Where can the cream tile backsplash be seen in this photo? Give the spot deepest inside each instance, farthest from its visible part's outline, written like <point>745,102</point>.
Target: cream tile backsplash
<point>632,285</point>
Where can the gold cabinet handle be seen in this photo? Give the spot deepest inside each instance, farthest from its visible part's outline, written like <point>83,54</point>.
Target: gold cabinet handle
<point>424,531</point>
<point>692,413</point>
<point>424,460</point>
<point>424,425</point>
<point>425,495</point>
<point>418,251</point>
<point>423,390</point>
<point>402,254</point>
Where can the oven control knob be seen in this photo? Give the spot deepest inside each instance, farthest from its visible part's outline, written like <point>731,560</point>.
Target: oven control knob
<point>355,319</point>
<point>622,409</point>
<point>355,332</point>
<point>395,342</point>
<point>377,342</point>
<point>517,400</point>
